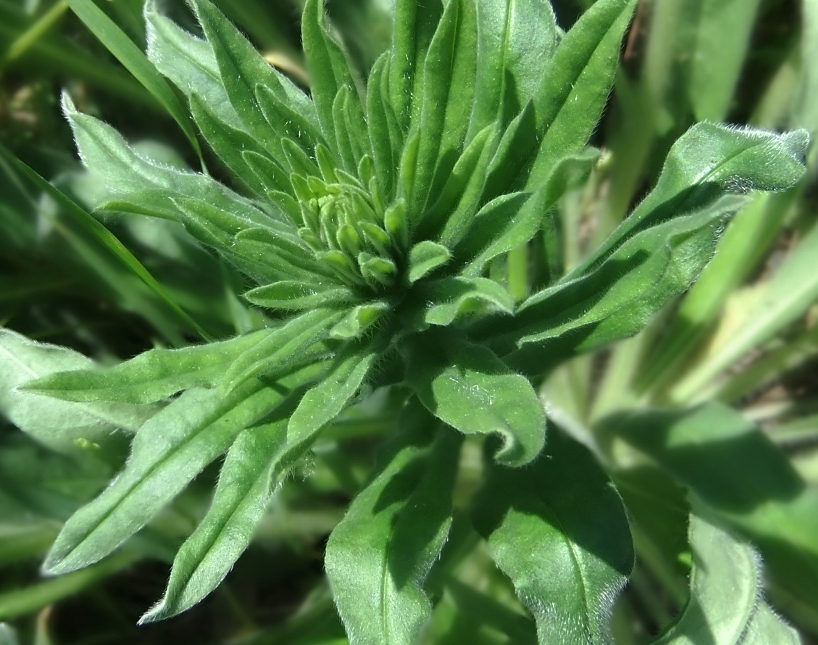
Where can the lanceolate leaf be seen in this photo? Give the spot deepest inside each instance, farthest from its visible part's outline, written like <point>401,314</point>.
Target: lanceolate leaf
<point>469,388</point>
<point>135,61</point>
<point>725,588</point>
<point>169,450</point>
<point>558,529</point>
<point>246,483</point>
<point>515,43</point>
<point>151,376</point>
<point>617,299</point>
<point>58,424</point>
<point>448,299</point>
<point>708,161</point>
<point>378,557</point>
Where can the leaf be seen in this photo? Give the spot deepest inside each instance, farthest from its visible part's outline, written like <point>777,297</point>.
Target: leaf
<point>246,484</point>
<point>359,320</point>
<point>445,95</point>
<point>384,136</point>
<point>558,529</point>
<point>738,476</point>
<point>58,424</point>
<point>289,294</point>
<point>151,376</point>
<point>425,257</point>
<point>725,589</point>
<point>242,69</point>
<point>330,77</point>
<point>128,175</point>
<point>573,93</point>
<point>287,344</point>
<point>786,297</point>
<point>618,298</point>
<point>118,43</point>
<point>168,451</point>
<point>469,388</point>
<point>322,403</point>
<point>515,43</point>
<point>414,27</point>
<point>710,160</point>
<point>509,221</point>
<point>189,63</point>
<point>446,300</point>
<point>378,557</point>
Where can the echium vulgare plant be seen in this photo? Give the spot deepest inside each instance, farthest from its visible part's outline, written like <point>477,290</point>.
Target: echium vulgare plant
<point>374,220</point>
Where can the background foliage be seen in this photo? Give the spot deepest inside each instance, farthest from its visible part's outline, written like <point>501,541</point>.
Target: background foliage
<point>712,406</point>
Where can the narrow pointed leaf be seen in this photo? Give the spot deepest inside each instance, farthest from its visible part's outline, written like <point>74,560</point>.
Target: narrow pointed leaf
<point>245,486</point>
<point>299,295</point>
<point>378,557</point>
<point>558,529</point>
<point>469,388</point>
<point>151,376</point>
<point>58,424</point>
<point>448,299</point>
<point>170,450</point>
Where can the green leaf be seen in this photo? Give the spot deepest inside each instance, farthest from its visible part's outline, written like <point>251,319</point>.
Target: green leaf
<point>127,174</point>
<point>469,388</point>
<point>446,300</point>
<point>322,403</point>
<point>288,294</point>
<point>246,484</point>
<point>189,63</point>
<point>242,69</point>
<point>516,41</point>
<point>725,589</point>
<point>558,529</point>
<point>786,297</point>
<point>384,136</point>
<point>446,95</point>
<point>619,297</point>
<point>118,43</point>
<point>738,476</point>
<point>330,78</point>
<point>573,93</point>
<point>414,27</point>
<point>150,376</point>
<point>168,451</point>
<point>425,257</point>
<point>706,162</point>
<point>359,320</point>
<point>509,221</point>
<point>58,424</point>
<point>291,342</point>
<point>378,557</point>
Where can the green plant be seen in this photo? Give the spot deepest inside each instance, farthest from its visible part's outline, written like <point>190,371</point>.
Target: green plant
<point>387,236</point>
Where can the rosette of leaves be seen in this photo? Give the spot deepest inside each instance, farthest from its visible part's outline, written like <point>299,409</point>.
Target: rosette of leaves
<point>374,219</point>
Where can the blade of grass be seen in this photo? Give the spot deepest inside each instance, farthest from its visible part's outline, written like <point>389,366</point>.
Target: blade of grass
<point>108,239</point>
<point>136,62</point>
<point>31,35</point>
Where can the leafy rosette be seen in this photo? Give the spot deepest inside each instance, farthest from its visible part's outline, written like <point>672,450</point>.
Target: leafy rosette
<point>374,220</point>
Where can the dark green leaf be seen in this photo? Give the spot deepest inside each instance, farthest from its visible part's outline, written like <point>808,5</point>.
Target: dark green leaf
<point>708,161</point>
<point>469,388</point>
<point>558,529</point>
<point>378,557</point>
<point>725,588</point>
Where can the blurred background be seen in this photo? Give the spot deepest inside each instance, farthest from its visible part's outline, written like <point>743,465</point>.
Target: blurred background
<point>746,335</point>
